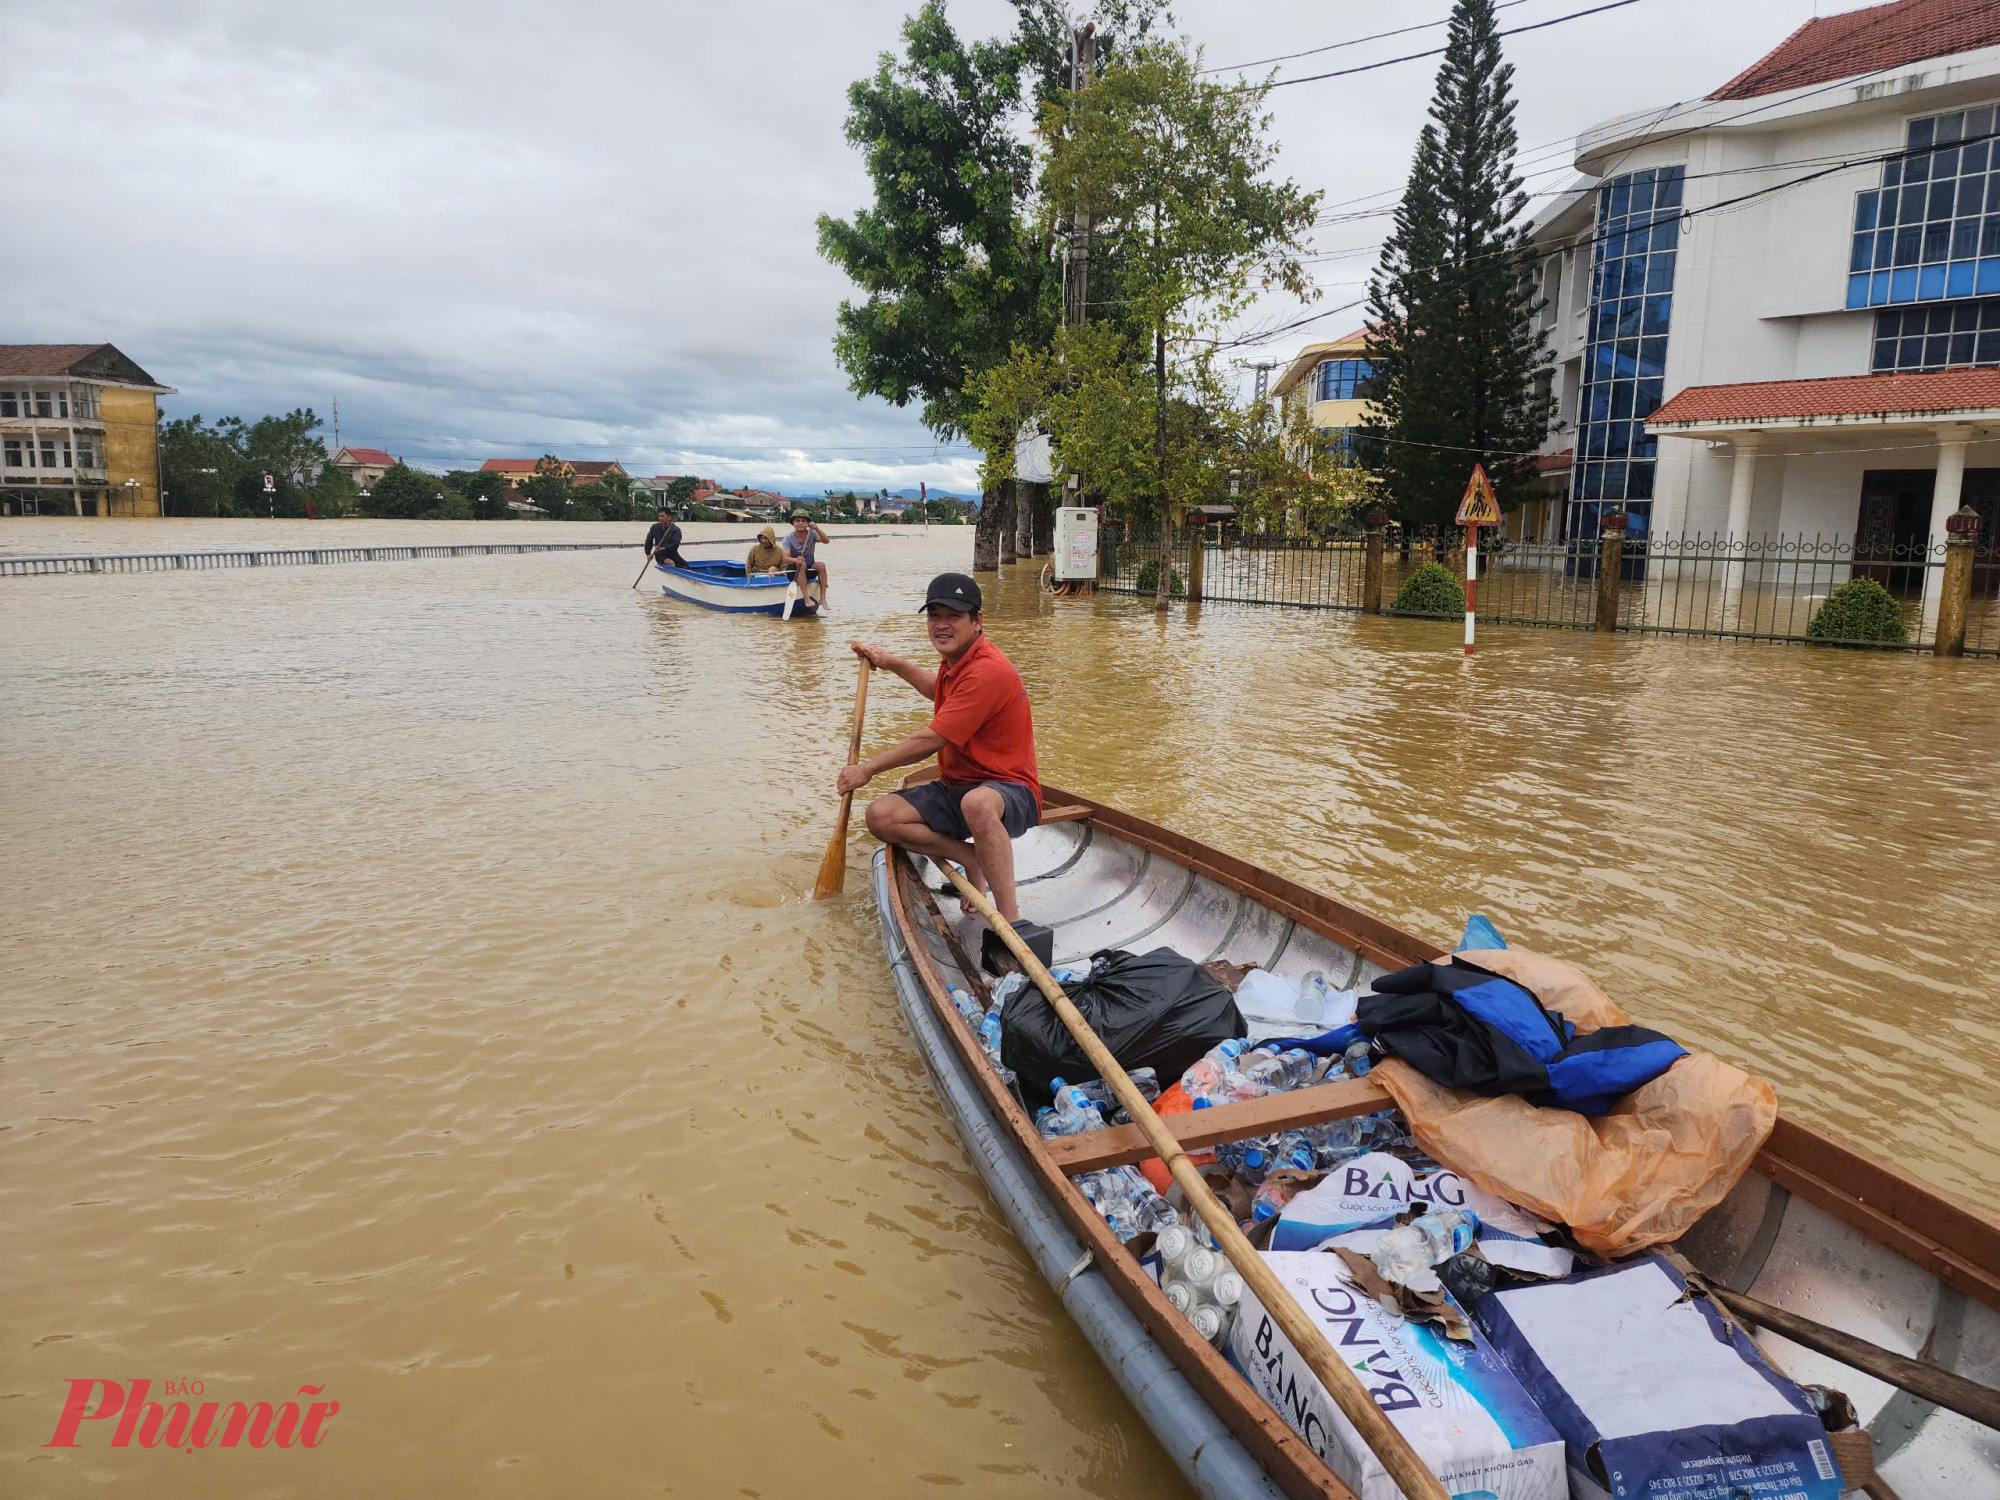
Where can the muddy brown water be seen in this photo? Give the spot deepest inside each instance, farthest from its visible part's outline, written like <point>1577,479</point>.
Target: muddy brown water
<point>412,989</point>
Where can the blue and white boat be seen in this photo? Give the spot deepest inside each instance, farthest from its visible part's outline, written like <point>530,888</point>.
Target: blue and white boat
<point>729,587</point>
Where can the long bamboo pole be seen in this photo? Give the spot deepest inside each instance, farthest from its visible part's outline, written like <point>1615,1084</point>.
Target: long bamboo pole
<point>1389,1444</point>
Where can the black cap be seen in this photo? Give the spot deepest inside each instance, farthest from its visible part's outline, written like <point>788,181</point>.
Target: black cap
<point>954,590</point>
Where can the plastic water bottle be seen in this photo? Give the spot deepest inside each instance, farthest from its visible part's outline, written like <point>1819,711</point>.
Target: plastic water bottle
<point>1271,1200</point>
<point>1294,1149</point>
<point>967,1006</point>
<point>1006,987</point>
<point>1071,1114</point>
<point>1404,1253</point>
<point>1290,1069</point>
<point>1247,1159</point>
<point>1216,1076</point>
<point>1357,1060</point>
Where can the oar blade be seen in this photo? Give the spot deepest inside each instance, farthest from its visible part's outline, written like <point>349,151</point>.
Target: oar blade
<point>833,864</point>
<point>791,598</point>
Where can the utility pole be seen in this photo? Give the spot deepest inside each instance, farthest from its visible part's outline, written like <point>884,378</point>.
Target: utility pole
<point>336,424</point>
<point>1076,270</point>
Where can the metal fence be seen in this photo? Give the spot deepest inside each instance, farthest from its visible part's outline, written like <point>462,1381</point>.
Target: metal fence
<point>1764,588</point>
<point>274,557</point>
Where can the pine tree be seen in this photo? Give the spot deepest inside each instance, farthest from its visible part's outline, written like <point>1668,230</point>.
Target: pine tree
<point>1458,355</point>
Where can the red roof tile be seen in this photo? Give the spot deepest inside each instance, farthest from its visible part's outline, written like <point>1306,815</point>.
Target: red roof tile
<point>84,361</point>
<point>371,457</point>
<point>509,466</point>
<point>1938,391</point>
<point>1556,463</point>
<point>1864,41</point>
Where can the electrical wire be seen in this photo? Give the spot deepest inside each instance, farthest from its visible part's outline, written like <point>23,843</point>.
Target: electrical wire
<point>1352,42</point>
<point>1389,62</point>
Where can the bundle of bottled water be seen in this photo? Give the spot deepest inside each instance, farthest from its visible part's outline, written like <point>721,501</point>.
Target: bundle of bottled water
<point>1197,1280</point>
<point>1128,1202</point>
<point>1081,1107</point>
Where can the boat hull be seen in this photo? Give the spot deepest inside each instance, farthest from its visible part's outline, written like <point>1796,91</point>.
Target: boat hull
<point>1814,1228</point>
<point>724,588</point>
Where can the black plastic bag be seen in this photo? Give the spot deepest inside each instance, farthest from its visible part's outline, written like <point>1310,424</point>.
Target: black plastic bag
<point>1154,1010</point>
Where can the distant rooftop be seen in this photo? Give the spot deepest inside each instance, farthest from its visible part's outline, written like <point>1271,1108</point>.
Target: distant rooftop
<point>1868,41</point>
<point>75,361</point>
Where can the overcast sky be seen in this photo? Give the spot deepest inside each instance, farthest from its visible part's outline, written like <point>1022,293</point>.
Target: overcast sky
<point>497,229</point>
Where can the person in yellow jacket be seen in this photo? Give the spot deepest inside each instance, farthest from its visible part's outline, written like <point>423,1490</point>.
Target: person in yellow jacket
<point>767,556</point>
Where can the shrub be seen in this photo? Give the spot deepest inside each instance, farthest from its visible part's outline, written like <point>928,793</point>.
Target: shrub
<point>1148,581</point>
<point>1430,591</point>
<point>1859,610</point>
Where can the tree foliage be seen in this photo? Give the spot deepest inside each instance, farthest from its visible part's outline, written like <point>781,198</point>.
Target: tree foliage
<point>218,470</point>
<point>403,493</point>
<point>1457,350</point>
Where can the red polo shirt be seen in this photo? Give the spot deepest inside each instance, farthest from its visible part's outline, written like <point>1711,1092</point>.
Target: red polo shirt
<point>981,709</point>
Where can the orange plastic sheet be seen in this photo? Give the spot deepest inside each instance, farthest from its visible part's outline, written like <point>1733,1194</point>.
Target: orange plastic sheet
<point>1635,1177</point>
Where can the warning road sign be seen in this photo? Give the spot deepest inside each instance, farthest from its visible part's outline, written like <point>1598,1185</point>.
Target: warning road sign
<point>1479,507</point>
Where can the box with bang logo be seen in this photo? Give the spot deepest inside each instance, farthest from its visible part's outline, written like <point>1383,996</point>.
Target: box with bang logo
<point>1456,1402</point>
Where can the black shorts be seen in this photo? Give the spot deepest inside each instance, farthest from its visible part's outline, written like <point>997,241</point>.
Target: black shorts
<point>938,805</point>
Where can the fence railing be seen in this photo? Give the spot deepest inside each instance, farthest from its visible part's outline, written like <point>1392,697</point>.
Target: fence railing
<point>274,557</point>
<point>1743,588</point>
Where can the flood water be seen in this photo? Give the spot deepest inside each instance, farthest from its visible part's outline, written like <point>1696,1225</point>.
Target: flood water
<point>412,988</point>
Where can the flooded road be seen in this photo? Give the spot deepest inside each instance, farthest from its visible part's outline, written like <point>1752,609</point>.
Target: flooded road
<point>412,989</point>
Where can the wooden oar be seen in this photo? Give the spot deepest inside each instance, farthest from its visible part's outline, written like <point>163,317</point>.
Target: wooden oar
<point>1940,1387</point>
<point>642,569</point>
<point>833,864</point>
<point>1409,1471</point>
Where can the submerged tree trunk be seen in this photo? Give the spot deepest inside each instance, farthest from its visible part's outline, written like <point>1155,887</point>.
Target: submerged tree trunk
<point>1009,551</point>
<point>1024,518</point>
<point>986,532</point>
<point>1164,590</point>
<point>1045,519</point>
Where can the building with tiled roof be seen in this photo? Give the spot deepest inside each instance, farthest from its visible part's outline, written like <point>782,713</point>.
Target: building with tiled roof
<point>1329,377</point>
<point>364,465</point>
<point>79,427</point>
<point>514,471</point>
<point>1776,310</point>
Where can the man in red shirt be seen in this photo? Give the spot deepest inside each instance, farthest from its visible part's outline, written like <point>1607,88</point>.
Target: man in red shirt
<point>983,735</point>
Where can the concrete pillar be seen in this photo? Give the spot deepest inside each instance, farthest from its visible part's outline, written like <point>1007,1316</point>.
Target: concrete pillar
<point>1736,528</point>
<point>1197,573</point>
<point>1610,563</point>
<point>1955,592</point>
<point>1952,440</point>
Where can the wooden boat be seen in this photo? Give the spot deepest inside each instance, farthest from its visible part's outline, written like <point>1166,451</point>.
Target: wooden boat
<point>1814,1228</point>
<point>728,586</point>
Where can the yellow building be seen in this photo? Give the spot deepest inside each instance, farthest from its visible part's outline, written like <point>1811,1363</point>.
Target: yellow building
<point>79,432</point>
<point>1325,378</point>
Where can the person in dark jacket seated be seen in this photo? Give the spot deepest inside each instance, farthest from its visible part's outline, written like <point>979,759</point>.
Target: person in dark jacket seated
<point>663,540</point>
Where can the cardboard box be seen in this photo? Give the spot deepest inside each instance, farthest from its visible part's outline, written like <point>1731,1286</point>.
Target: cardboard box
<point>1457,1403</point>
<point>1657,1395</point>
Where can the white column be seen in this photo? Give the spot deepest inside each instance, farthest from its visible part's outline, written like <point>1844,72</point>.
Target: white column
<point>1736,529</point>
<point>1950,485</point>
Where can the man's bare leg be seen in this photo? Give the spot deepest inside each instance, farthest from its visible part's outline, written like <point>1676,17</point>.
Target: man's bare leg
<point>983,810</point>
<point>894,821</point>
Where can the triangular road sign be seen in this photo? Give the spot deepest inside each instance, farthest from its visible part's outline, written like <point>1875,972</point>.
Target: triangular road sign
<point>1479,507</point>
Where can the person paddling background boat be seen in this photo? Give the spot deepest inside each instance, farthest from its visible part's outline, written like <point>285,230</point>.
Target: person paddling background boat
<point>988,791</point>
<point>663,540</point>
<point>800,544</point>
<point>766,556</point>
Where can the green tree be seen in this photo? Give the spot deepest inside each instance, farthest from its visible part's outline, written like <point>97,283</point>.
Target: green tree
<point>402,493</point>
<point>551,487</point>
<point>1456,346</point>
<point>199,467</point>
<point>335,493</point>
<point>483,489</point>
<point>1174,171</point>
<point>681,493</point>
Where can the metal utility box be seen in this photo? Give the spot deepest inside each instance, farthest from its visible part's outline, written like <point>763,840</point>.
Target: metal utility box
<point>1076,544</point>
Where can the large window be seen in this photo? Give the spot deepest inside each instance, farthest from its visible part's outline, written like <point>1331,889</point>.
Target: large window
<point>1931,232</point>
<point>1342,379</point>
<point>1625,363</point>
<point>1932,338</point>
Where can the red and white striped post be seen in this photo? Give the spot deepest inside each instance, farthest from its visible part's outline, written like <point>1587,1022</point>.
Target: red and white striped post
<point>1478,508</point>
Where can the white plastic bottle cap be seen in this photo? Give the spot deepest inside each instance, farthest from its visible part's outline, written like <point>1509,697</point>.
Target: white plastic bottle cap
<point>1228,1289</point>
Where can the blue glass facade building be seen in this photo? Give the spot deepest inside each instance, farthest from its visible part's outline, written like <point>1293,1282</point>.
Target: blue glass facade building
<point>1931,232</point>
<point>1636,243</point>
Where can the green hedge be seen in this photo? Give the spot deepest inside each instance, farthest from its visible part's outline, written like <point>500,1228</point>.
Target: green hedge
<point>1148,581</point>
<point>1431,590</point>
<point>1860,611</point>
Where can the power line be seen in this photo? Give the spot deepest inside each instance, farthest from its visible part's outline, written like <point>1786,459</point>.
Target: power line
<point>1389,62</point>
<point>1354,42</point>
